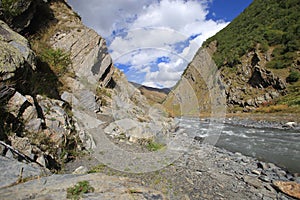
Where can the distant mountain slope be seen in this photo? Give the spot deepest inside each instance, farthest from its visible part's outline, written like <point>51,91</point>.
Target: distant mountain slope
<point>258,58</point>
<point>154,95</point>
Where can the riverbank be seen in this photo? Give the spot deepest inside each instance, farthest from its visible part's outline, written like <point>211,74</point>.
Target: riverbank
<point>208,172</point>
<point>265,120</point>
<point>201,172</point>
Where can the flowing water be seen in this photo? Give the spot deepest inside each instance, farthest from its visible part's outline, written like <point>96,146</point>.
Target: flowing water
<point>281,147</point>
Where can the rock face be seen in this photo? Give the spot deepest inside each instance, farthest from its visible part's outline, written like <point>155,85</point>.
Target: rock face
<point>16,57</point>
<point>18,14</point>
<point>46,127</point>
<point>290,188</point>
<point>199,90</point>
<point>246,85</point>
<point>133,116</point>
<point>93,97</point>
<point>16,171</point>
<point>106,188</point>
<point>250,84</point>
<point>89,56</point>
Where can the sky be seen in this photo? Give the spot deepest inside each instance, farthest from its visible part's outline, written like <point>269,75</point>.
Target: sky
<point>152,41</point>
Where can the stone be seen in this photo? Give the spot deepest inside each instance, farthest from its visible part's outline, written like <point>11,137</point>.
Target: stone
<point>34,125</point>
<point>15,55</point>
<point>80,170</point>
<point>29,113</point>
<point>13,168</point>
<point>262,165</point>
<point>264,178</point>
<point>199,139</point>
<point>256,172</point>
<point>106,187</point>
<point>87,100</point>
<point>41,159</point>
<point>15,104</point>
<point>290,124</point>
<point>290,188</point>
<point>252,181</point>
<point>21,144</point>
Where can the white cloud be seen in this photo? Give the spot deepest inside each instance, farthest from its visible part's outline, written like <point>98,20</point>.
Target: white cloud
<point>140,31</point>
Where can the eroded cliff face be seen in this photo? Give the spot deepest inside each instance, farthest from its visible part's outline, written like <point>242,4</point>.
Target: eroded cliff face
<point>245,86</point>
<point>250,84</point>
<point>199,91</point>
<point>59,88</point>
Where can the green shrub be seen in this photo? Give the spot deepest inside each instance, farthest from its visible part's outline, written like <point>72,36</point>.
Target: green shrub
<point>279,28</point>
<point>58,60</point>
<point>10,8</point>
<point>293,77</point>
<point>154,146</point>
<point>79,189</point>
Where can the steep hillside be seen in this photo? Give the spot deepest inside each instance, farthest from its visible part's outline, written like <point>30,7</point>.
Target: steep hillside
<point>153,95</point>
<point>59,90</point>
<point>258,57</point>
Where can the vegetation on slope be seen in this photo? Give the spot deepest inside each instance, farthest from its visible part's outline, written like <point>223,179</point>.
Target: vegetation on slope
<point>270,23</point>
<point>273,28</point>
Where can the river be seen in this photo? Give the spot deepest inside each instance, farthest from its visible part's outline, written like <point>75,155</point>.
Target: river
<point>281,147</point>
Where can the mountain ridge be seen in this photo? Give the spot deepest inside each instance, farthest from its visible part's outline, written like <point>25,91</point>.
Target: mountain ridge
<point>257,55</point>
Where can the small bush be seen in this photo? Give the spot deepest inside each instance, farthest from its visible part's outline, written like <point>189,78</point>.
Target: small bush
<point>79,189</point>
<point>293,77</point>
<point>97,169</point>
<point>10,9</point>
<point>58,60</point>
<point>154,146</point>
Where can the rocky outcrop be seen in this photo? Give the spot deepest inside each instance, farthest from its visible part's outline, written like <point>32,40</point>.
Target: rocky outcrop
<point>199,90</point>
<point>133,116</point>
<point>16,57</point>
<point>290,188</point>
<point>89,56</point>
<point>105,187</point>
<point>19,14</point>
<point>16,172</point>
<point>249,84</point>
<point>59,115</point>
<point>246,85</point>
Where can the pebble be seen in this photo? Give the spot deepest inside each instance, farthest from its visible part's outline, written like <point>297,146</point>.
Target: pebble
<point>265,178</point>
<point>80,170</point>
<point>256,172</point>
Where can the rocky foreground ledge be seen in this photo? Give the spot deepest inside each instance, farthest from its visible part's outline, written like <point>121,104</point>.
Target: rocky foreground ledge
<point>204,172</point>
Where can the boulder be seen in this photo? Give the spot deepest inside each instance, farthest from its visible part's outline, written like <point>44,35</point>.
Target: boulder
<point>80,170</point>
<point>105,187</point>
<point>20,13</point>
<point>13,172</point>
<point>15,53</point>
<point>290,188</point>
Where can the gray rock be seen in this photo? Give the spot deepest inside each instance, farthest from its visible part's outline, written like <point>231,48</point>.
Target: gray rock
<point>34,125</point>
<point>15,53</point>
<point>15,103</point>
<point>290,124</point>
<point>41,159</point>
<point>264,178</point>
<point>252,181</point>
<point>106,188</point>
<point>256,172</point>
<point>80,170</point>
<point>11,171</point>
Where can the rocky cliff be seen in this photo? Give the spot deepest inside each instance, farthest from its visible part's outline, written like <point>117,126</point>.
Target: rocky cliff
<point>58,84</point>
<point>257,55</point>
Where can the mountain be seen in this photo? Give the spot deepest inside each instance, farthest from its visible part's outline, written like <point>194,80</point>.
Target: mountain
<point>153,95</point>
<point>257,57</point>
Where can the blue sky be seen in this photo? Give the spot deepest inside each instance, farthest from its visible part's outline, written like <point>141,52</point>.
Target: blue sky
<point>152,41</point>
<point>227,9</point>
